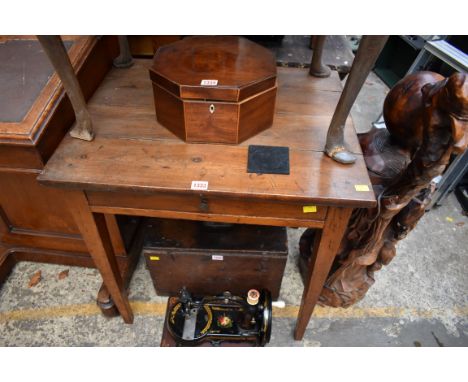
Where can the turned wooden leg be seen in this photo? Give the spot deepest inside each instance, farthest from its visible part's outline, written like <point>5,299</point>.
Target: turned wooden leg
<point>104,299</point>
<point>58,56</point>
<point>115,235</point>
<point>317,69</point>
<point>366,56</point>
<point>7,263</point>
<point>95,233</point>
<point>320,264</point>
<point>124,59</point>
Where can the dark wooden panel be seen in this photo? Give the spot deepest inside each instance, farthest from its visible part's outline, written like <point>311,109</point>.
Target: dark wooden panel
<point>35,215</point>
<point>44,240</point>
<point>20,157</point>
<point>147,45</point>
<point>256,114</point>
<point>31,206</point>
<point>199,236</point>
<point>214,93</point>
<point>203,275</point>
<point>170,112</point>
<point>218,127</point>
<point>207,204</point>
<point>210,260</point>
<point>250,91</point>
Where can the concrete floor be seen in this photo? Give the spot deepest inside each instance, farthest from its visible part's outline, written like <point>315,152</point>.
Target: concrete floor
<point>420,299</point>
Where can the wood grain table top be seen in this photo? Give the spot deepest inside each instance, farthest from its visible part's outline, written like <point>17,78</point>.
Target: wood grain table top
<point>133,153</point>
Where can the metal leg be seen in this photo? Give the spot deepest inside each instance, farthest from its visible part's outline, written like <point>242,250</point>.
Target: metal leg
<point>55,50</point>
<point>379,123</point>
<point>450,179</point>
<point>366,56</point>
<point>124,59</point>
<point>317,69</point>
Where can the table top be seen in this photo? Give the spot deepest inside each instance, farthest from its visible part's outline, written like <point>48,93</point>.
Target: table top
<point>133,153</point>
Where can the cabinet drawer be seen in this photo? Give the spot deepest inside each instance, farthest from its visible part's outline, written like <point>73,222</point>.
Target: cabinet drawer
<point>195,206</point>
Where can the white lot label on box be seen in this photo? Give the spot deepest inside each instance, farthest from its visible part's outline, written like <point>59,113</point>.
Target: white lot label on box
<point>217,257</point>
<point>209,82</point>
<point>199,185</point>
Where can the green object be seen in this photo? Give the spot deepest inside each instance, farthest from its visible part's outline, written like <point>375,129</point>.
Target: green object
<point>396,58</point>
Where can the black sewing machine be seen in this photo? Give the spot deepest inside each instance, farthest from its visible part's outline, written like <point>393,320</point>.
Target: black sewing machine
<point>194,320</point>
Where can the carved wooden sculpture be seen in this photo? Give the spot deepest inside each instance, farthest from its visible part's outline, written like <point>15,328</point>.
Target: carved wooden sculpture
<point>427,120</point>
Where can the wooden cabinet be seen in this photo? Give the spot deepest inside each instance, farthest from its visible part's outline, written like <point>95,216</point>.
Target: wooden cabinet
<point>35,114</point>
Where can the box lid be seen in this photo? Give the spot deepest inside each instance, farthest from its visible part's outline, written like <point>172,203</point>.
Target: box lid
<point>188,235</point>
<point>220,68</point>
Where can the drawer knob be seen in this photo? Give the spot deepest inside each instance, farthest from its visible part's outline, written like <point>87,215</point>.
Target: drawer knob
<point>212,108</point>
<point>203,205</point>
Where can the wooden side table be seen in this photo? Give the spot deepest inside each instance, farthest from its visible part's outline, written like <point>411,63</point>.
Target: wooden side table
<point>134,166</point>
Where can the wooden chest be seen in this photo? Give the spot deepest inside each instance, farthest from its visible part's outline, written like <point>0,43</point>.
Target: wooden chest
<point>214,89</point>
<point>211,259</point>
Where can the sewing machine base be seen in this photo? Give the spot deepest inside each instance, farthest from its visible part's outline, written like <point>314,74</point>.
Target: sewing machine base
<point>222,320</point>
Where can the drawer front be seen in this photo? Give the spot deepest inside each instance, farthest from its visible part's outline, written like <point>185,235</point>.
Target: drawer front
<point>215,122</point>
<point>214,272</point>
<point>204,206</point>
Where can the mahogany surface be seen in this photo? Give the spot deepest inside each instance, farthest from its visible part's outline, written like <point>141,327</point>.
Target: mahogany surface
<point>242,68</point>
<point>134,166</point>
<point>241,103</point>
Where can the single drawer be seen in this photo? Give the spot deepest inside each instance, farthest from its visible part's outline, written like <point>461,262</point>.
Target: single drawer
<point>203,206</point>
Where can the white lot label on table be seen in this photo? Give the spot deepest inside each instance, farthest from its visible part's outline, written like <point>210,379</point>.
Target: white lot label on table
<point>199,185</point>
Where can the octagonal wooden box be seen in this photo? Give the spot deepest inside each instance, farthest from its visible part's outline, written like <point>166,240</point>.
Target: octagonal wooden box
<point>214,89</point>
